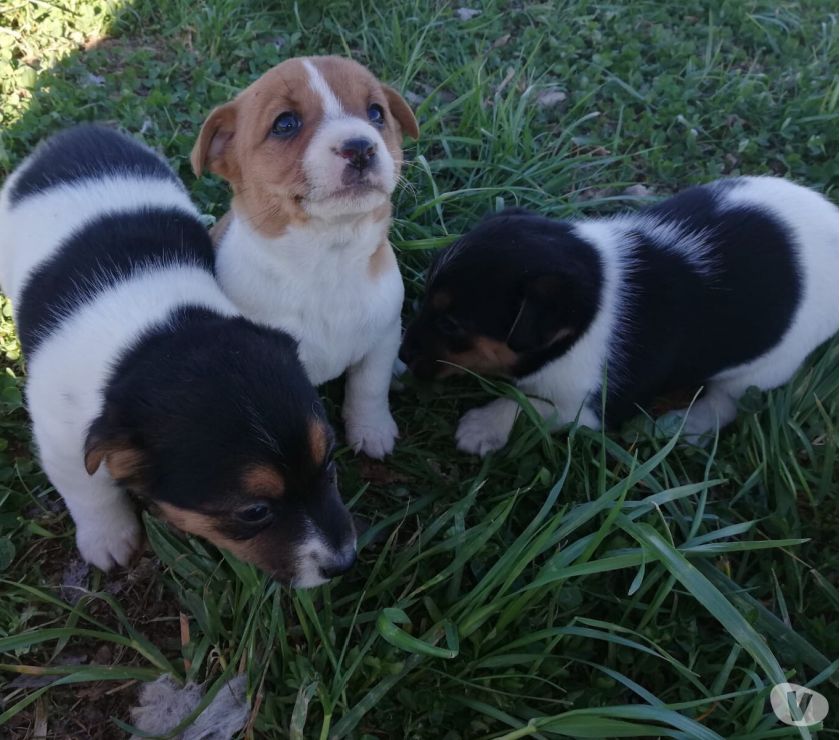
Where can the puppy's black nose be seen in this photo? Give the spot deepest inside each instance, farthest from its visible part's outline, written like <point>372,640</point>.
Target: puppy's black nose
<point>359,152</point>
<point>340,563</point>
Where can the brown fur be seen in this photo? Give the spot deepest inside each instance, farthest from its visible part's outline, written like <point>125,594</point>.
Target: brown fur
<point>235,144</point>
<point>263,480</point>
<point>124,464</point>
<point>217,233</point>
<point>382,260</point>
<point>487,356</point>
<point>319,440</point>
<point>207,526</point>
<point>123,460</point>
<point>266,174</point>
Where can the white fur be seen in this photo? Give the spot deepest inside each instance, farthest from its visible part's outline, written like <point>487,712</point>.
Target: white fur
<point>324,168</point>
<point>314,283</point>
<point>312,554</point>
<point>331,103</point>
<point>314,280</point>
<point>570,382</point>
<point>695,248</point>
<point>58,212</point>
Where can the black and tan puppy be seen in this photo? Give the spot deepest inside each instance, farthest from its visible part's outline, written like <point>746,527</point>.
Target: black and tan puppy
<point>144,378</point>
<point>724,286</point>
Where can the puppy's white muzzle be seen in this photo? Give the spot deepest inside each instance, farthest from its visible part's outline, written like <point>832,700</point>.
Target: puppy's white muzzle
<point>349,168</point>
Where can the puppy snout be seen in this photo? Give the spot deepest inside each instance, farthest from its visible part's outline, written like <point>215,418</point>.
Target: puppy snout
<point>339,564</point>
<point>359,152</point>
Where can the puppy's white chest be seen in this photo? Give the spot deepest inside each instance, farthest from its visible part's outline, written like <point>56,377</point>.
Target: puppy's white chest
<point>319,290</point>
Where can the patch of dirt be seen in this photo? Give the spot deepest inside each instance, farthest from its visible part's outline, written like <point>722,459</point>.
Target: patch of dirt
<point>84,711</point>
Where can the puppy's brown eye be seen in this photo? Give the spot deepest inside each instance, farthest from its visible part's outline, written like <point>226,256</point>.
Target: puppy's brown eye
<point>286,125</point>
<point>255,514</point>
<point>376,115</point>
<point>448,325</point>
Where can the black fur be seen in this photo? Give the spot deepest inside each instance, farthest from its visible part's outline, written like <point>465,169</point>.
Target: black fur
<point>513,265</point>
<point>680,326</point>
<point>683,327</point>
<point>102,253</point>
<point>205,397</point>
<point>86,152</point>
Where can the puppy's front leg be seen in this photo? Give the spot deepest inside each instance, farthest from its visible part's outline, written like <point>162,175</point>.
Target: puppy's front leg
<point>108,532</point>
<point>487,428</point>
<point>368,423</point>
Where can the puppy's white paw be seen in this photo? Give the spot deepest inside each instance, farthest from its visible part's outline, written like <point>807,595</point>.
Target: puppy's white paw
<point>375,436</point>
<point>486,429</point>
<point>110,541</point>
<point>702,421</point>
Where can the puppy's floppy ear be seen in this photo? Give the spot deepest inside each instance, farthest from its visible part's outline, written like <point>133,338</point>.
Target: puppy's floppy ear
<point>402,112</point>
<point>212,149</point>
<point>122,455</point>
<point>546,313</point>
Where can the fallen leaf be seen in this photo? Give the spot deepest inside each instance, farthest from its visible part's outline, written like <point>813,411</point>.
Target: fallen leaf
<point>466,14</point>
<point>638,190</point>
<point>377,472</point>
<point>93,80</point>
<point>550,98</point>
<point>74,581</point>
<point>413,98</point>
<point>39,726</point>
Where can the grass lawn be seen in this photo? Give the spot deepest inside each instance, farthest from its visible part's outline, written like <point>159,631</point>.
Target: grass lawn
<point>580,585</point>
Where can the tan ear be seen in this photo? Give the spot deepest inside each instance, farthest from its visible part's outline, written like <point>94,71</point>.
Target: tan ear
<point>401,111</point>
<point>124,460</point>
<point>212,149</point>
<point>94,455</point>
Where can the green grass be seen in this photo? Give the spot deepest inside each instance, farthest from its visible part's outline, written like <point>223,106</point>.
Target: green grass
<point>575,585</point>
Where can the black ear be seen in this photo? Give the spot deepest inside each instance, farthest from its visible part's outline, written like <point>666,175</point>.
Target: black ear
<point>118,449</point>
<point>547,313</point>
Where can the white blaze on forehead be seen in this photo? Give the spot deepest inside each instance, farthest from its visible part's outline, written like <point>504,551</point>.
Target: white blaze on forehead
<point>332,108</point>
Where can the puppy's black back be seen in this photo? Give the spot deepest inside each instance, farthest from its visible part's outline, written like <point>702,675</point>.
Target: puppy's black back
<point>86,152</point>
<point>690,315</point>
<point>121,240</point>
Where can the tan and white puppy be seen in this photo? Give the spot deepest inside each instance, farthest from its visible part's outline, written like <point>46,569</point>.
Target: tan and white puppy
<point>312,151</point>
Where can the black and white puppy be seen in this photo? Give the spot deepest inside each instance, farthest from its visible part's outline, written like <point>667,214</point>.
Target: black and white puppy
<point>142,376</point>
<point>725,286</point>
